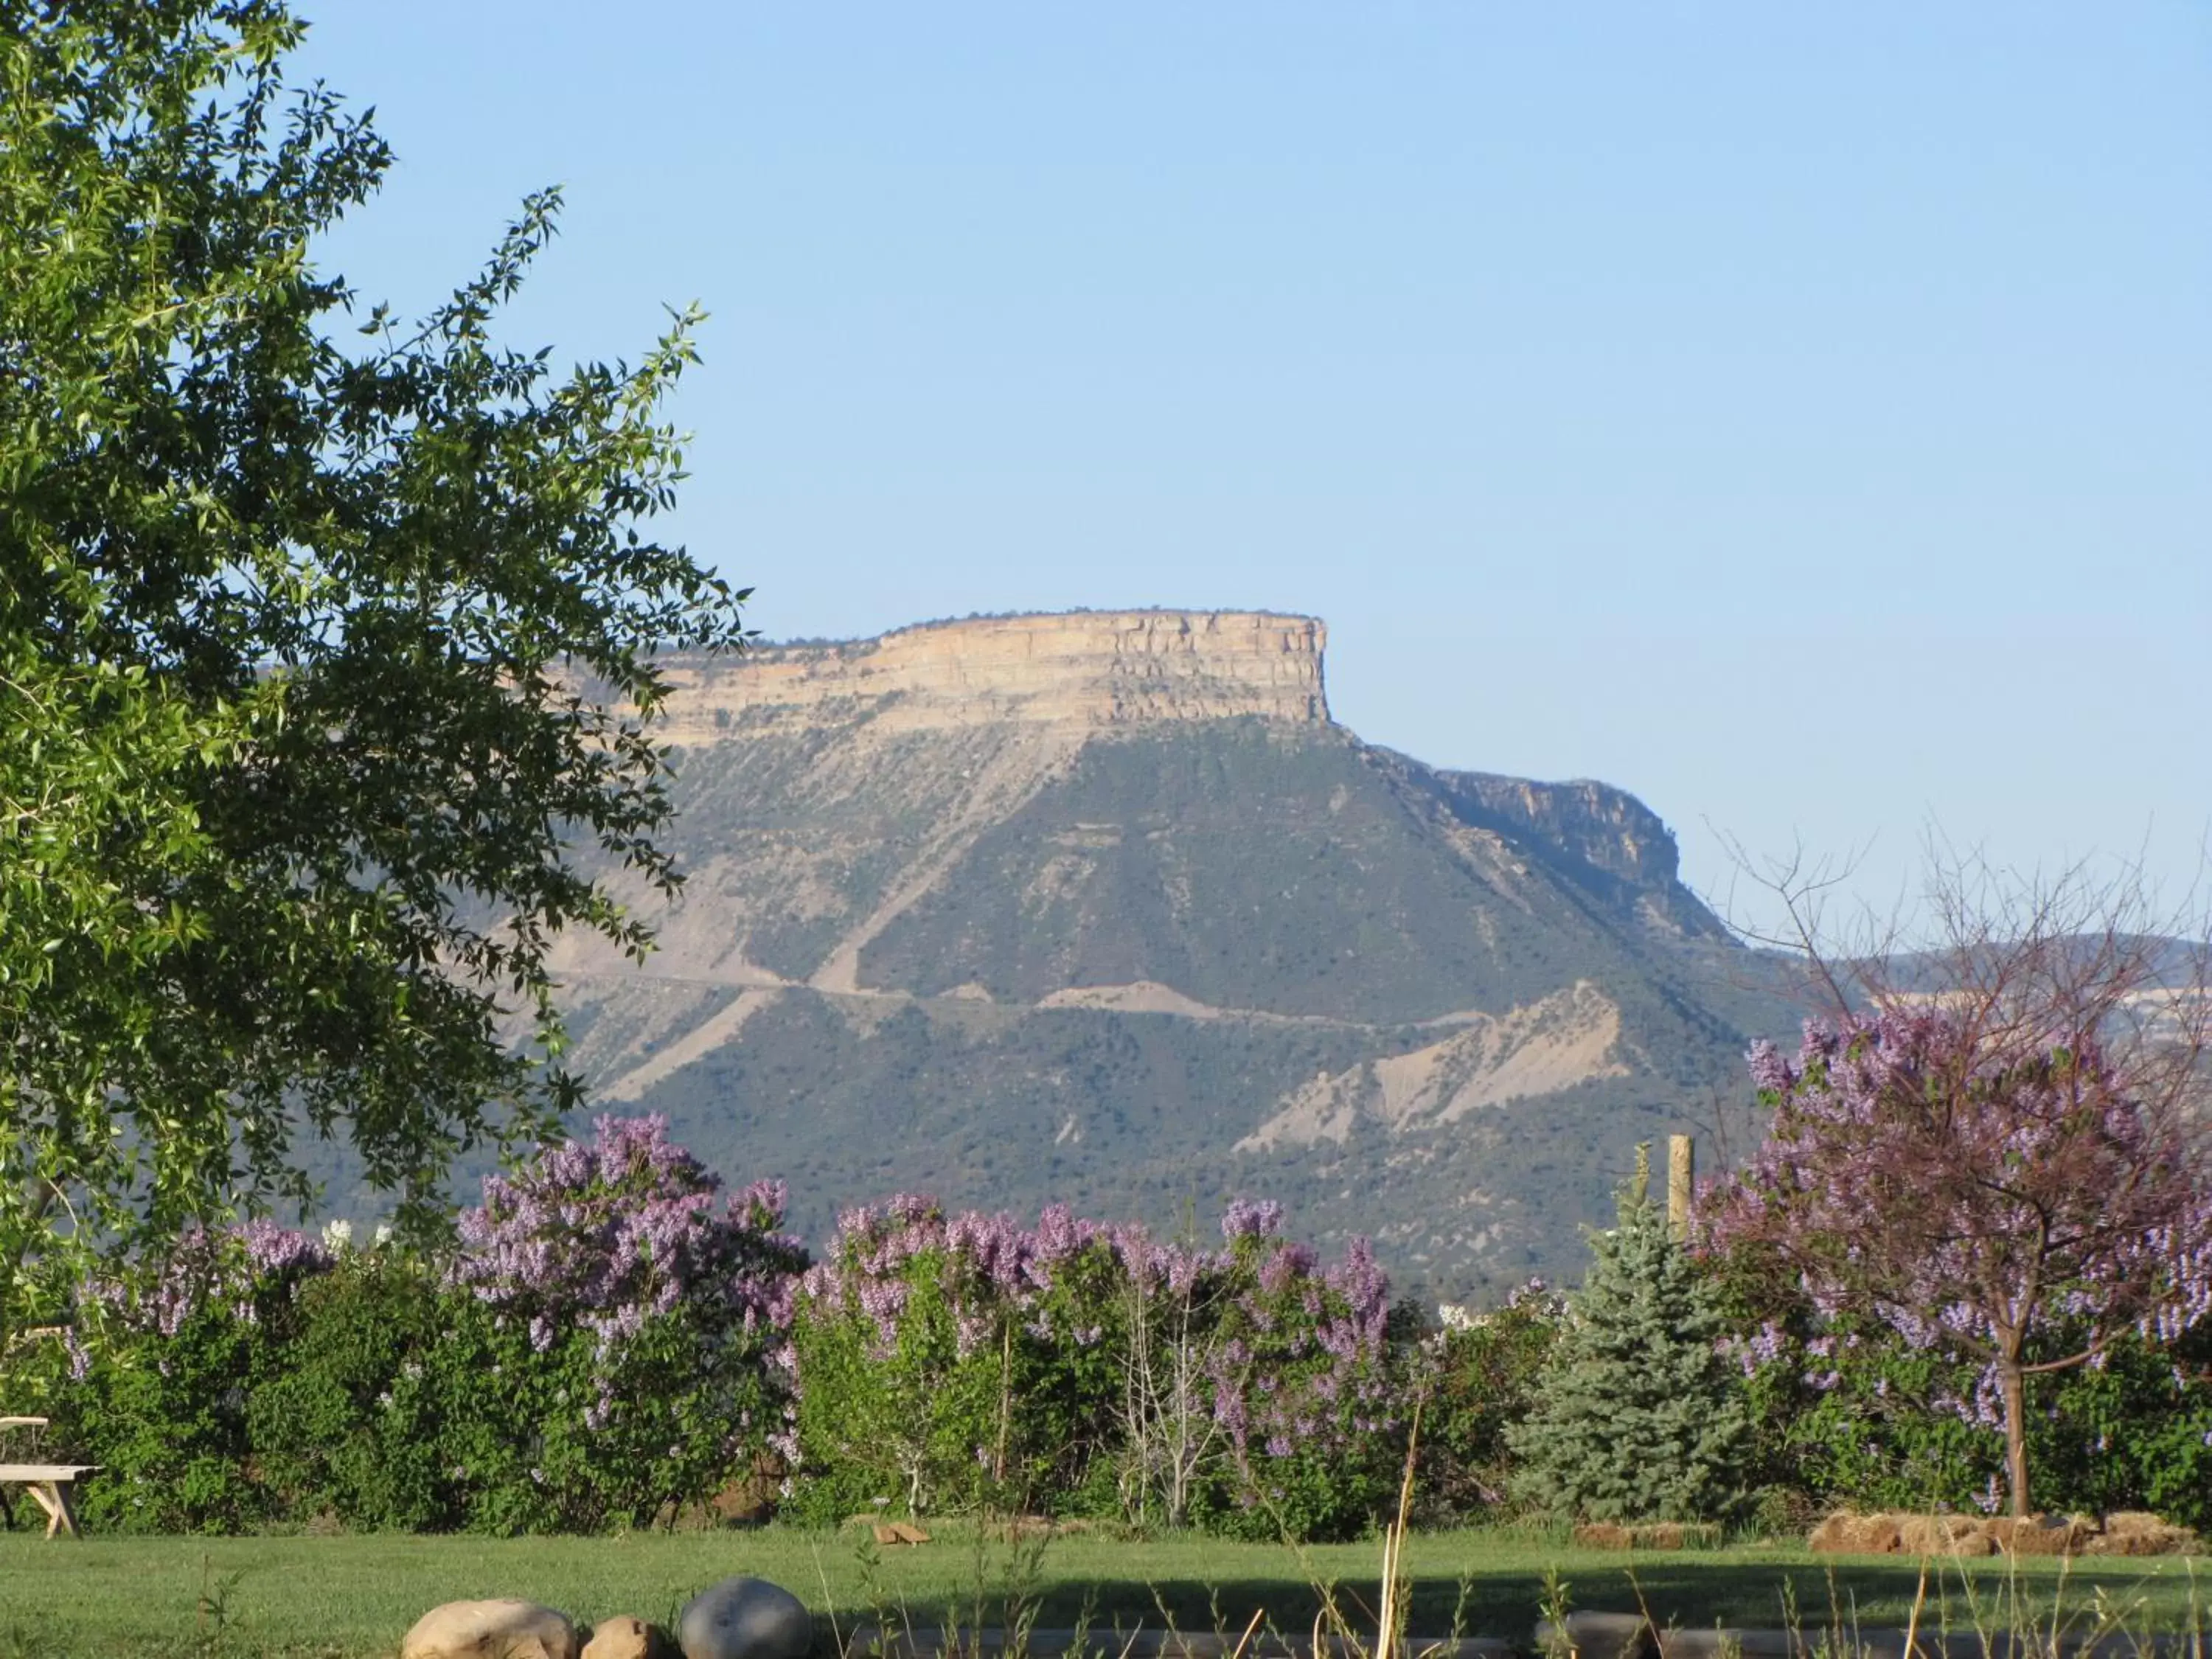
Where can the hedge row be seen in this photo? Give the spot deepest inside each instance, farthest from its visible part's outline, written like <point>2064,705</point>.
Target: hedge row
<point>611,1339</point>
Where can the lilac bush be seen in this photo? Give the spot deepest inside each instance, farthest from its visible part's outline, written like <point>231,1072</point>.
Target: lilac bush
<point>1301,1383</point>
<point>1174,1432</point>
<point>1845,1411</point>
<point>158,1365</point>
<point>244,1272</point>
<point>949,1359</point>
<point>642,1316</point>
<point>1982,1193</point>
<point>608,1234</point>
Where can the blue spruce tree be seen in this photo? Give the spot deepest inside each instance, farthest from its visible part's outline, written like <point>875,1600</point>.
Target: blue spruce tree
<point>1638,1417</point>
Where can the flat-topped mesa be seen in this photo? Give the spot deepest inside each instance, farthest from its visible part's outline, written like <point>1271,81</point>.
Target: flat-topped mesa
<point>1093,668</point>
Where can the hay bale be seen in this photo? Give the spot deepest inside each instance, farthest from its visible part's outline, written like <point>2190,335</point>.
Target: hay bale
<point>1845,1534</point>
<point>2123,1523</point>
<point>1943,1534</point>
<point>2128,1544</point>
<point>2138,1532</point>
<point>2005,1530</point>
<point>1834,1536</point>
<point>2040,1535</point>
<point>1881,1535</point>
<point>1646,1534</point>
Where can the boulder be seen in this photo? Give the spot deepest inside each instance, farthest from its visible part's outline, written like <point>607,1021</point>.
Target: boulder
<point>746,1619</point>
<point>623,1637</point>
<point>490,1630</point>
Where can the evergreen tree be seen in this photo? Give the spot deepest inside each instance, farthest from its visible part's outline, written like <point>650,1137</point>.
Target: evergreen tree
<point>1637,1416</point>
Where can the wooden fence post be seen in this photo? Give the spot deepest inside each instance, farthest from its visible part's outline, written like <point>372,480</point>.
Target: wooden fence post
<point>1682,1182</point>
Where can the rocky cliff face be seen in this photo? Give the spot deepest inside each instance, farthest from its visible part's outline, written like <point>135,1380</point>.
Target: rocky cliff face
<point>1086,669</point>
<point>1607,826</point>
<point>1601,838</point>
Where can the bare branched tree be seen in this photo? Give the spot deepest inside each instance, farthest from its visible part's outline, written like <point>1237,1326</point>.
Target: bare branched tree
<point>1996,1128</point>
<point>1167,1380</point>
<point>2013,959</point>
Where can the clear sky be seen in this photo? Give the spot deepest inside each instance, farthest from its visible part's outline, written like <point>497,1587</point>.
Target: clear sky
<point>1801,415</point>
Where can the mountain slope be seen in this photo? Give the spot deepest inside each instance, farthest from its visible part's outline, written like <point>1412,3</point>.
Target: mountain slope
<point>1104,907</point>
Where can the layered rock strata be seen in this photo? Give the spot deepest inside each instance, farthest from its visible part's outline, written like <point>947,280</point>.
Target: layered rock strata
<point>1086,669</point>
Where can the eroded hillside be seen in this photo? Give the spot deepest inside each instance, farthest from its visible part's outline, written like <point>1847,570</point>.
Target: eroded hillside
<point>1103,907</point>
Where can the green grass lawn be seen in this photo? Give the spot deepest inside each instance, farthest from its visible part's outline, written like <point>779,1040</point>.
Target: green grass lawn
<point>353,1597</point>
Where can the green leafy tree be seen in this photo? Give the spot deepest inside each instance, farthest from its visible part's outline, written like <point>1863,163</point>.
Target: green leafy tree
<point>1484,1376</point>
<point>325,650</point>
<point>1639,1416</point>
<point>1847,1411</point>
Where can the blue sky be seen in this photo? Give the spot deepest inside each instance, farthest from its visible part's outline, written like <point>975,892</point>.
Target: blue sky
<point>1799,416</point>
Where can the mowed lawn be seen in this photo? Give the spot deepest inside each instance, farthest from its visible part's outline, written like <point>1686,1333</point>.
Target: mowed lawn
<point>353,1597</point>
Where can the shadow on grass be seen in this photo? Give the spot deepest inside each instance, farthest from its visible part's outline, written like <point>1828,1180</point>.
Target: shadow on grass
<point>1686,1592</point>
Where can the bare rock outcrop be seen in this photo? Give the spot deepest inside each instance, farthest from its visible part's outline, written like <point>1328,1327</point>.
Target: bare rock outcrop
<point>1088,669</point>
<point>1569,1038</point>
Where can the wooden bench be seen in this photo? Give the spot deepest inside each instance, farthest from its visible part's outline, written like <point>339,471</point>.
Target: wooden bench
<point>52,1486</point>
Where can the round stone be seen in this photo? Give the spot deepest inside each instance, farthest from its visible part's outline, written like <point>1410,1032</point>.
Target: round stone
<point>746,1619</point>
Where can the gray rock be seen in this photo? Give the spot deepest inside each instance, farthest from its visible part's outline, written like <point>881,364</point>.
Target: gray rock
<point>1598,1636</point>
<point>746,1619</point>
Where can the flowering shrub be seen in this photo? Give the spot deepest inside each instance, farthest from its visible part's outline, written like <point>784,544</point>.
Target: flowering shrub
<point>622,1341</point>
<point>1301,1386</point>
<point>1847,1411</point>
<point>609,1339</point>
<point>158,1368</point>
<point>1173,1299</point>
<point>1976,1186</point>
<point>348,1427</point>
<point>951,1359</point>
